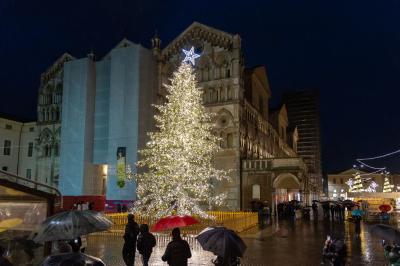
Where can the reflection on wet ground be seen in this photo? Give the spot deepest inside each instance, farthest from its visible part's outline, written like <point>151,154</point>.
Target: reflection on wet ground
<point>286,243</point>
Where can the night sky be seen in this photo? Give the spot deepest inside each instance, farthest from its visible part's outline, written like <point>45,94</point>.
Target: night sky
<point>348,50</point>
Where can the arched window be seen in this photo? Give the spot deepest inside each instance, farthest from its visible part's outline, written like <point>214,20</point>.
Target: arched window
<point>255,191</point>
<point>57,116</point>
<point>205,74</point>
<point>229,93</point>
<point>217,73</point>
<point>215,95</point>
<point>56,150</point>
<point>229,140</point>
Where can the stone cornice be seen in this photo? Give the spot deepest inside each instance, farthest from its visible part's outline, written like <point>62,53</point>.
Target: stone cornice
<point>198,30</point>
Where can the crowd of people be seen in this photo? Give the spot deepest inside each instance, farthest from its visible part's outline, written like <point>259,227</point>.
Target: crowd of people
<point>334,211</point>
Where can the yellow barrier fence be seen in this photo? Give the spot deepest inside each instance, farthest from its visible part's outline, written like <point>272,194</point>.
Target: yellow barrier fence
<point>237,221</point>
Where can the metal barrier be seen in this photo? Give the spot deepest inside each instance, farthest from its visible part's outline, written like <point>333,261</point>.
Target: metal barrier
<point>237,221</point>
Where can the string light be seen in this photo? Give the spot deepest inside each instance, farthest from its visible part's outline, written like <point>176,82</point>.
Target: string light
<point>387,187</point>
<point>356,184</point>
<point>362,163</point>
<point>380,156</point>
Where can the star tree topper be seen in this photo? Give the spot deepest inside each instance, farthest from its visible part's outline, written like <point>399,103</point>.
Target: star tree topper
<point>190,55</point>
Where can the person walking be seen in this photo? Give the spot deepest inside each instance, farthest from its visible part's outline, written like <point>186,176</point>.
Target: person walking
<point>314,207</point>
<point>130,236</point>
<point>145,243</point>
<point>333,212</point>
<point>357,224</point>
<point>178,251</point>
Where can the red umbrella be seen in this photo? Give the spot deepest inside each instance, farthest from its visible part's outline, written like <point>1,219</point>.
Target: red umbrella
<point>173,221</point>
<point>385,208</point>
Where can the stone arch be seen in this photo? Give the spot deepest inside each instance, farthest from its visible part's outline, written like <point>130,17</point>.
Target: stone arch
<point>287,181</point>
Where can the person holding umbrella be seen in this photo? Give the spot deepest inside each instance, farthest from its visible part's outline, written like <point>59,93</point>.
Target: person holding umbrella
<point>178,251</point>
<point>357,220</point>
<point>224,243</point>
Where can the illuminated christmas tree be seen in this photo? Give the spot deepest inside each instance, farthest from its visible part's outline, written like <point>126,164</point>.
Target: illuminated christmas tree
<point>178,159</point>
<point>387,187</point>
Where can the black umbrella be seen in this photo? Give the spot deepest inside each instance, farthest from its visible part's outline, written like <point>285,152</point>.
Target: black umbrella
<point>349,203</point>
<point>222,242</point>
<point>386,232</point>
<point>72,259</point>
<point>71,224</point>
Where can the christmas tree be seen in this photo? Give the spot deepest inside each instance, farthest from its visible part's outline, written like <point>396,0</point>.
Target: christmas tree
<point>177,161</point>
<point>387,187</point>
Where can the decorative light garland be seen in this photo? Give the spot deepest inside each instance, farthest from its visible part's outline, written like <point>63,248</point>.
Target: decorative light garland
<point>356,184</point>
<point>387,187</point>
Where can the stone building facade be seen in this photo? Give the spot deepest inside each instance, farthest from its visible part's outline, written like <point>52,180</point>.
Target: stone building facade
<point>17,146</point>
<point>49,111</point>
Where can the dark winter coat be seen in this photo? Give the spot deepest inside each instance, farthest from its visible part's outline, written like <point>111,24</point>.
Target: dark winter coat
<point>145,243</point>
<point>177,253</point>
<point>131,232</point>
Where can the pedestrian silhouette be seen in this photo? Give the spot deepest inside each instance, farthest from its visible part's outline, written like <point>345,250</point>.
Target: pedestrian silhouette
<point>130,237</point>
<point>145,243</point>
<point>177,252</point>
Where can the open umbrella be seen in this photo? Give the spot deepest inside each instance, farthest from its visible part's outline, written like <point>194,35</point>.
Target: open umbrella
<point>71,224</point>
<point>72,259</point>
<point>173,221</point>
<point>386,232</point>
<point>385,208</point>
<point>348,203</point>
<point>222,242</point>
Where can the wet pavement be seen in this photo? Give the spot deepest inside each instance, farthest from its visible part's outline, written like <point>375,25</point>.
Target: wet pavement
<point>284,243</point>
